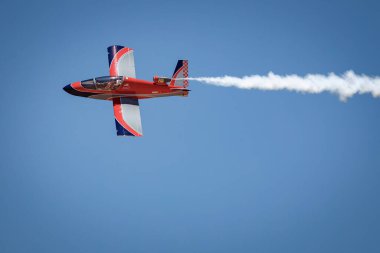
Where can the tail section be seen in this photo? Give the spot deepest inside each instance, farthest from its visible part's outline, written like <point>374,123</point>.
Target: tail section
<point>180,74</point>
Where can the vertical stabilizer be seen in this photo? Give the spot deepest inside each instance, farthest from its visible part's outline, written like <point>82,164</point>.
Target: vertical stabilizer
<point>180,73</point>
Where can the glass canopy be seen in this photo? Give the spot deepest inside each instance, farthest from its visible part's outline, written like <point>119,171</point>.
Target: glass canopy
<point>103,83</point>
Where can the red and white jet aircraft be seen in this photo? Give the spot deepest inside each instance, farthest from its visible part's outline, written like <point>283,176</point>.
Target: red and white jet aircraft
<point>122,87</point>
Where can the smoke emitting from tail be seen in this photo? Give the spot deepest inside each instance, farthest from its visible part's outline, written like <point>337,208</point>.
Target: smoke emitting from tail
<point>344,86</point>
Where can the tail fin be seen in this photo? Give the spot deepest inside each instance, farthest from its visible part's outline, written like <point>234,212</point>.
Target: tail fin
<point>181,72</point>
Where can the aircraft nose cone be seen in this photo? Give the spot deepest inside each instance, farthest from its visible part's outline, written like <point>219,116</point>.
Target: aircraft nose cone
<point>72,91</point>
<point>68,88</point>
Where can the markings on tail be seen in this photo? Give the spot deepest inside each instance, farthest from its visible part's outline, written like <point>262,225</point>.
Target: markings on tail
<point>181,71</point>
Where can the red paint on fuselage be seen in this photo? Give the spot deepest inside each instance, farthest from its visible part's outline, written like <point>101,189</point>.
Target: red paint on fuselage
<point>133,88</point>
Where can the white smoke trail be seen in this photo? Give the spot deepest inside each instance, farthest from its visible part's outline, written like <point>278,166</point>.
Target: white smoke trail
<point>344,86</point>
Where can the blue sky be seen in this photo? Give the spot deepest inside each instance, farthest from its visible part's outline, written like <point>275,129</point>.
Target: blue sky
<point>224,170</point>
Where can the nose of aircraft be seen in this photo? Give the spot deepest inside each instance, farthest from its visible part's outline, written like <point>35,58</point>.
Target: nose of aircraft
<point>68,88</point>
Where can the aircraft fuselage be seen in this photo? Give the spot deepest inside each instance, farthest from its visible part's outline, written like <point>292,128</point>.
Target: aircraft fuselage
<point>107,88</point>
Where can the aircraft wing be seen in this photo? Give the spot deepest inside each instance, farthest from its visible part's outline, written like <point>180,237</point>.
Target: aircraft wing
<point>127,117</point>
<point>121,61</point>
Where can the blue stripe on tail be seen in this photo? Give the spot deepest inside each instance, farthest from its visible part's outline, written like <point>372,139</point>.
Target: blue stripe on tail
<point>179,65</point>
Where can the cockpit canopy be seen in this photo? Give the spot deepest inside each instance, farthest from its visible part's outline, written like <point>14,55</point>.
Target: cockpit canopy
<point>103,83</point>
